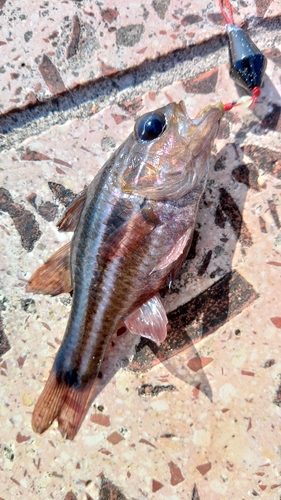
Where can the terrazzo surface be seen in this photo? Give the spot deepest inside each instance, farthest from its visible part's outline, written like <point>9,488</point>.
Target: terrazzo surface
<point>199,416</point>
<point>49,47</point>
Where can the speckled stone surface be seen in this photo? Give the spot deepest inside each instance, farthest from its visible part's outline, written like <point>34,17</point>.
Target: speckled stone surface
<point>182,421</point>
<point>49,47</point>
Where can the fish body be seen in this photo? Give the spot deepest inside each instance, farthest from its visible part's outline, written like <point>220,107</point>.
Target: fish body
<point>134,225</point>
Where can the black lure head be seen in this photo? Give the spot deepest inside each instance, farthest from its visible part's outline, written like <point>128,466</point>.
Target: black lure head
<point>247,63</point>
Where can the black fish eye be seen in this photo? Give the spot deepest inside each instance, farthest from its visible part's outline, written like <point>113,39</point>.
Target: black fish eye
<point>151,126</point>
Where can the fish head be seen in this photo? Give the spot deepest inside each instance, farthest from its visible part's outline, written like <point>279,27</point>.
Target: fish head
<point>168,152</point>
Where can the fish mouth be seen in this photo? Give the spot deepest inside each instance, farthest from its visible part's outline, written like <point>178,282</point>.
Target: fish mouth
<point>209,119</point>
<point>216,111</point>
<point>206,130</point>
<point>182,108</point>
<point>203,128</point>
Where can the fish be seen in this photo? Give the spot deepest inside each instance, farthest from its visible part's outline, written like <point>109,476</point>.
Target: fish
<point>133,226</point>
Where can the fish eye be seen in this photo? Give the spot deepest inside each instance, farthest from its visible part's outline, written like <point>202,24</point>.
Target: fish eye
<point>151,126</point>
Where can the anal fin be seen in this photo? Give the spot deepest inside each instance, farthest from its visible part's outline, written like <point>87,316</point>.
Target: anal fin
<point>149,320</point>
<point>54,276</point>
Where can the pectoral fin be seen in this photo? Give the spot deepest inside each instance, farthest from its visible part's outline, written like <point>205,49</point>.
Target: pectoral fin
<point>71,217</point>
<point>54,276</point>
<point>149,320</point>
<point>178,251</point>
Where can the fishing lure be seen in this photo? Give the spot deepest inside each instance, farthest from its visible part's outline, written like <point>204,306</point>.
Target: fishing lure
<point>247,62</point>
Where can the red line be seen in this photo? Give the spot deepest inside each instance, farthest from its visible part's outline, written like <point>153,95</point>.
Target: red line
<point>227,17</point>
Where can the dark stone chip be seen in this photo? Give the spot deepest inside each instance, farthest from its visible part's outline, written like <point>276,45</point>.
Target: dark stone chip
<point>109,15</point>
<point>272,120</point>
<point>202,84</point>
<point>28,305</point>
<point>234,217</point>
<point>216,18</point>
<point>28,35</point>
<point>130,35</point>
<point>274,55</point>
<point>192,251</point>
<point>24,221</point>
<point>265,159</point>
<point>262,6</point>
<point>220,219</point>
<point>220,164</point>
<point>65,196</point>
<point>108,491</point>
<point>4,344</point>
<point>195,494</point>
<point>262,225</point>
<point>205,263</point>
<point>274,213</point>
<point>149,390</point>
<point>51,75</point>
<point>247,174</point>
<point>161,7</point>
<point>70,496</point>
<point>191,19</point>
<point>277,399</point>
<point>74,39</point>
<point>269,363</point>
<point>48,211</point>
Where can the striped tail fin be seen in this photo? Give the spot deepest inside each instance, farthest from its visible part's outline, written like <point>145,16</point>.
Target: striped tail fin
<point>68,404</point>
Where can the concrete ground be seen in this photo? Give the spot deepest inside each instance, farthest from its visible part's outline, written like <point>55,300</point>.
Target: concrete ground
<point>181,421</point>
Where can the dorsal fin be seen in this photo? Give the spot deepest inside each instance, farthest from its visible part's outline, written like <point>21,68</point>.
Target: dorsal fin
<point>54,276</point>
<point>72,214</point>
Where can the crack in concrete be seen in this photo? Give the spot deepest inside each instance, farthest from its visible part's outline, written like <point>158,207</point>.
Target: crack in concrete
<point>18,125</point>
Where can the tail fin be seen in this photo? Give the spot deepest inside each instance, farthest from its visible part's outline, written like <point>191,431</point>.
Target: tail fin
<point>68,404</point>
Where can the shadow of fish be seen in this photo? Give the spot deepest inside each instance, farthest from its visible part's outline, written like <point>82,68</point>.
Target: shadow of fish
<point>133,228</point>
